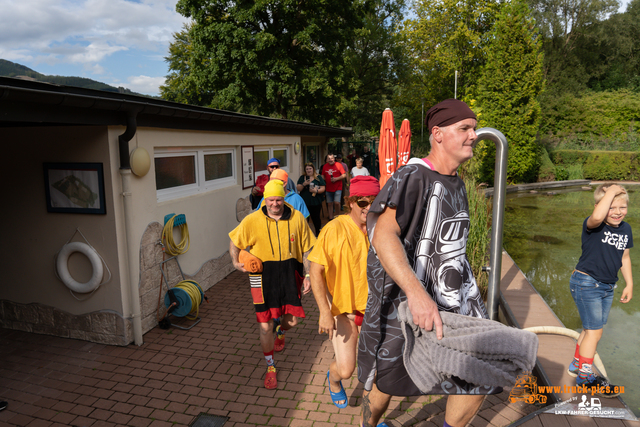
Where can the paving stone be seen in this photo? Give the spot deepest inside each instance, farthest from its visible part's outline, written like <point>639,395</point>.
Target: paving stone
<point>176,375</point>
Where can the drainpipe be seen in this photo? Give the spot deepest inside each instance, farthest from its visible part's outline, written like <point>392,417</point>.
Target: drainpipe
<point>499,194</point>
<point>125,174</point>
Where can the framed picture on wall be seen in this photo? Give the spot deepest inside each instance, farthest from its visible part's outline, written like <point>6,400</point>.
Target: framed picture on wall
<point>248,167</point>
<point>74,188</point>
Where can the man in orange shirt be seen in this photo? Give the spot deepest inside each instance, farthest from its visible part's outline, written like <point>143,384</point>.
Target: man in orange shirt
<point>339,281</point>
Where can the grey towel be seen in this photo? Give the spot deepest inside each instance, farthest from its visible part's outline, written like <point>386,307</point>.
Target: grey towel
<point>479,351</point>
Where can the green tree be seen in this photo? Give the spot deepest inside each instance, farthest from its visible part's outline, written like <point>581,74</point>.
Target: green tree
<point>443,37</point>
<point>274,58</point>
<point>181,84</point>
<point>378,62</point>
<point>610,51</point>
<point>562,24</point>
<point>508,91</point>
<point>332,62</point>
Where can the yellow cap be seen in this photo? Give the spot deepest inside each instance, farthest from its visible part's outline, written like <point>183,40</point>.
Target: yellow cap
<point>274,188</point>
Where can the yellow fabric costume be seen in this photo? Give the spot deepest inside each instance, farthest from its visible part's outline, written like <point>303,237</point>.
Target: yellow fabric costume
<point>271,240</point>
<point>280,245</point>
<point>342,249</point>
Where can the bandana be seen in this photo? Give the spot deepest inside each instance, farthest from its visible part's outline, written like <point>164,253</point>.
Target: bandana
<point>273,160</point>
<point>448,112</point>
<point>280,174</point>
<point>274,188</point>
<point>362,186</point>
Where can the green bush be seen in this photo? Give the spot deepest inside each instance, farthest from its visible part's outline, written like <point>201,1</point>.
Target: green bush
<point>564,173</point>
<point>561,173</point>
<point>596,165</point>
<point>547,171</point>
<point>575,172</point>
<point>569,157</point>
<point>589,116</point>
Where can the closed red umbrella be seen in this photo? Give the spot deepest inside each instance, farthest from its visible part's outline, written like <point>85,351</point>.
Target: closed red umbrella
<point>404,143</point>
<point>387,150</point>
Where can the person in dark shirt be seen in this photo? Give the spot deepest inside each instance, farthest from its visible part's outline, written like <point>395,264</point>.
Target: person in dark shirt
<point>366,159</point>
<point>606,240</point>
<point>424,202</point>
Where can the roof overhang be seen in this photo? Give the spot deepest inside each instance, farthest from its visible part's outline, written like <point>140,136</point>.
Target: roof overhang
<point>29,103</point>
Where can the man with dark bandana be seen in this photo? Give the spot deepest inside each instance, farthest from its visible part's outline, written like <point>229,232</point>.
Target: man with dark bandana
<point>418,227</point>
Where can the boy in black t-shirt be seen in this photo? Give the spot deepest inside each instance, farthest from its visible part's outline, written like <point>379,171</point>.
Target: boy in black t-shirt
<point>606,240</point>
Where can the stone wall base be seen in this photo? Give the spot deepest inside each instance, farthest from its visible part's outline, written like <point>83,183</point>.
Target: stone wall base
<point>100,326</point>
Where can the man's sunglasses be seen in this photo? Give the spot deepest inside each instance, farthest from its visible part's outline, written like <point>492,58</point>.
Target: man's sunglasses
<point>273,166</point>
<point>363,203</point>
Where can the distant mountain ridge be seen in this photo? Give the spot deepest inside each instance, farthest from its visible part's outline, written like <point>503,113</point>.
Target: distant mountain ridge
<point>12,69</point>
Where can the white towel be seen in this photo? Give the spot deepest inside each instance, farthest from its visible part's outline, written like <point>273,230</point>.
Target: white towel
<point>479,351</point>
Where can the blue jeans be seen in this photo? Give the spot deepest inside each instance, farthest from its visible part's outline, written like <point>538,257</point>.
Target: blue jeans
<point>592,298</point>
<point>334,197</point>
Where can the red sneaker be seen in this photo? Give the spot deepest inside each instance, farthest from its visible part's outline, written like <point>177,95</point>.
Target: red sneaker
<point>270,381</point>
<point>278,344</point>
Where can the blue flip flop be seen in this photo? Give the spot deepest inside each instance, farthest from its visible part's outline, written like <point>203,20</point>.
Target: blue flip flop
<point>338,396</point>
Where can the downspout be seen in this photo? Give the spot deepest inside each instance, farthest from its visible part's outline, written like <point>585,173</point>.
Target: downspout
<point>499,195</point>
<point>125,174</point>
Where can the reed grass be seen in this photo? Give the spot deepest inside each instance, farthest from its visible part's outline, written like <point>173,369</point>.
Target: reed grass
<point>479,233</point>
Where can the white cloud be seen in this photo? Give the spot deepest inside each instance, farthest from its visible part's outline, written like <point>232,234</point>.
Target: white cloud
<point>144,84</point>
<point>84,31</point>
<point>95,69</point>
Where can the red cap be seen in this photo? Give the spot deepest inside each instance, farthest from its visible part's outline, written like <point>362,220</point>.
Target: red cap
<point>363,186</point>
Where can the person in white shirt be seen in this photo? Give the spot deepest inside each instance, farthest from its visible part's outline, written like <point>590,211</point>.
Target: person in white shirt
<point>359,169</point>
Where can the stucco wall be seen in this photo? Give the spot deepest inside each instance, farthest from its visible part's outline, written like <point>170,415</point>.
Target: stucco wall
<point>32,297</point>
<point>210,215</point>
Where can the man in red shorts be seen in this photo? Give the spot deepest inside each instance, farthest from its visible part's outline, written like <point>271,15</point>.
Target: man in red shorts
<point>280,237</point>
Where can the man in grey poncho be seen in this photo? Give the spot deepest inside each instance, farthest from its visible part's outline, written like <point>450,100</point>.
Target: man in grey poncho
<point>418,227</point>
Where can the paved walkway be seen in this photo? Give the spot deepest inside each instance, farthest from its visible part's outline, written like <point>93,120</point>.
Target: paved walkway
<point>215,368</point>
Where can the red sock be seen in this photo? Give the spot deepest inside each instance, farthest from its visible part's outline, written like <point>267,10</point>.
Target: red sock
<point>577,353</point>
<point>585,373</point>
<point>583,360</point>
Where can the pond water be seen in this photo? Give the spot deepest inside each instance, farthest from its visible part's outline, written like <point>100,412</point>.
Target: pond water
<point>542,235</point>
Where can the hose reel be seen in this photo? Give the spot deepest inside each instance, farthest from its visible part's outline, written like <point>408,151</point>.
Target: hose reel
<point>183,299</point>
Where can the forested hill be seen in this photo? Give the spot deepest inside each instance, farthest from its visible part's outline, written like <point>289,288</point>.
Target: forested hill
<point>11,69</point>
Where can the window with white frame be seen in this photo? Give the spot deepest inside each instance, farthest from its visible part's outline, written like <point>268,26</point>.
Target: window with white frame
<point>183,172</point>
<point>262,155</point>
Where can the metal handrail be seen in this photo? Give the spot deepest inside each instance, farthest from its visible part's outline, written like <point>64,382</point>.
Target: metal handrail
<point>499,195</point>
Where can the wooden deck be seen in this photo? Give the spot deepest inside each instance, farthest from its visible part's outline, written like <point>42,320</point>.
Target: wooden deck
<point>523,307</point>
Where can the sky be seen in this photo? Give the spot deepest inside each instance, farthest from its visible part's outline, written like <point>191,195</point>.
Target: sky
<point>117,42</point>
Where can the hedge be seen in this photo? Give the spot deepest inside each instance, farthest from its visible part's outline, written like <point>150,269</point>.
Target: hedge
<point>601,165</point>
<point>609,114</point>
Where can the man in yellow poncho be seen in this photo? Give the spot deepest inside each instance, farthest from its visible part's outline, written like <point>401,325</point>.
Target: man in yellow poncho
<point>339,281</point>
<point>280,237</point>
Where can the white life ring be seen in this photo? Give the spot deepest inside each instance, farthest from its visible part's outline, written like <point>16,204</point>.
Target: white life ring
<point>63,268</point>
